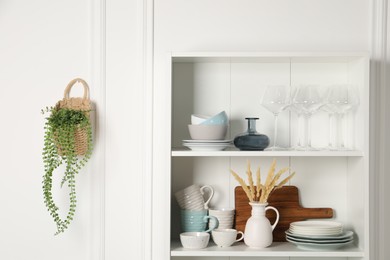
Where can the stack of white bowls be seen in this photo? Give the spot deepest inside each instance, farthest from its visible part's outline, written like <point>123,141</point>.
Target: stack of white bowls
<point>224,216</point>
<point>314,235</point>
<point>208,132</point>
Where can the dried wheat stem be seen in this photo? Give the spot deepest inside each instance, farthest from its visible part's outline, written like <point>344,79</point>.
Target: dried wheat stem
<point>258,183</point>
<point>250,181</point>
<point>284,181</point>
<point>264,191</point>
<point>243,185</point>
<point>277,176</point>
<point>271,173</point>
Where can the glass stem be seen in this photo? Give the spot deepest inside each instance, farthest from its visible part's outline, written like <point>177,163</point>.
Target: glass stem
<point>299,144</point>
<point>330,138</point>
<point>342,131</point>
<point>339,132</point>
<point>309,131</point>
<point>275,129</point>
<point>305,131</point>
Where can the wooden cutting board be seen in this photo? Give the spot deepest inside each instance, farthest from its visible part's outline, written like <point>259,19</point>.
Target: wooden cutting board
<point>286,201</point>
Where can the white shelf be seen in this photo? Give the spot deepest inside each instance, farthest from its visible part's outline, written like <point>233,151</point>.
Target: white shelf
<point>183,152</point>
<point>277,249</point>
<point>266,56</point>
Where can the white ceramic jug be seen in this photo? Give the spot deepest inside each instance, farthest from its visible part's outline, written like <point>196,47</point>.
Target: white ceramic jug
<point>258,230</point>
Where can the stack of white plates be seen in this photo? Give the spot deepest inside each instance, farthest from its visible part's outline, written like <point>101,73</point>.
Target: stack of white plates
<point>318,235</point>
<point>207,145</point>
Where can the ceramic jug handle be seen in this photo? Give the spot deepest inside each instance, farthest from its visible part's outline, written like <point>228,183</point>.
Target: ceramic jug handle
<point>242,236</point>
<point>206,204</point>
<point>277,216</point>
<point>215,221</point>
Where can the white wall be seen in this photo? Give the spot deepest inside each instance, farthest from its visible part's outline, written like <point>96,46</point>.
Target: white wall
<point>44,44</point>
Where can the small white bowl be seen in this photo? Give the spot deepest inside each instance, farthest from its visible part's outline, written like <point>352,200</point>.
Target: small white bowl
<point>194,240</point>
<point>208,132</point>
<point>219,119</point>
<point>197,119</point>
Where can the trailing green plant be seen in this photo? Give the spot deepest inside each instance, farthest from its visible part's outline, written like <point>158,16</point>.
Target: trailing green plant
<point>59,149</point>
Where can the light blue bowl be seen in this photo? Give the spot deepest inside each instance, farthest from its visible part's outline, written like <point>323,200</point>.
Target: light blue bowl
<point>219,119</point>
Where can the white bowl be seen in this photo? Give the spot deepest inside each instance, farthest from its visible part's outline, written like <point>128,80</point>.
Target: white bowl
<point>194,240</point>
<point>208,132</point>
<point>219,119</point>
<point>197,119</point>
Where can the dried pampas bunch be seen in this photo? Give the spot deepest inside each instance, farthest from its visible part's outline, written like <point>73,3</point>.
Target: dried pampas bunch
<point>261,192</point>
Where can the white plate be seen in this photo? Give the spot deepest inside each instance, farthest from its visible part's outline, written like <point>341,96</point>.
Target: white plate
<point>317,232</point>
<point>312,246</point>
<point>198,147</point>
<point>316,229</point>
<point>314,224</point>
<point>207,141</point>
<point>346,234</point>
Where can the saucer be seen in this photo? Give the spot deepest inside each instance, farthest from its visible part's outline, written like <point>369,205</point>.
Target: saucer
<point>207,141</point>
<point>207,147</point>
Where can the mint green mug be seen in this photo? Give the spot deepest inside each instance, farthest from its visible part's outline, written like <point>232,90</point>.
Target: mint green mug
<point>197,220</point>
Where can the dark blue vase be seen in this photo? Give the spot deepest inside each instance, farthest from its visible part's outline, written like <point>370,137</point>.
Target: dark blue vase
<point>251,140</point>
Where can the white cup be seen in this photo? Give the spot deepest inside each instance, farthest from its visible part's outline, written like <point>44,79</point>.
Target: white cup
<point>225,217</point>
<point>222,212</point>
<point>226,237</point>
<point>192,197</point>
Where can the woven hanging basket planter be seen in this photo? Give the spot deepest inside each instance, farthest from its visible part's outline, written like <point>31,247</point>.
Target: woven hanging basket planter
<point>67,142</point>
<point>77,103</point>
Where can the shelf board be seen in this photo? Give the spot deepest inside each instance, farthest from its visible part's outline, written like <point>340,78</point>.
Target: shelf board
<point>183,152</point>
<point>279,249</point>
<point>267,56</point>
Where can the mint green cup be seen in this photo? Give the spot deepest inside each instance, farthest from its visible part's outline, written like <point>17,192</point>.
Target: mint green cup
<point>197,220</point>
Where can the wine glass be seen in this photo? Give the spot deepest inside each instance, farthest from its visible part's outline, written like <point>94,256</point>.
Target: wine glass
<point>307,100</point>
<point>276,99</point>
<point>342,99</point>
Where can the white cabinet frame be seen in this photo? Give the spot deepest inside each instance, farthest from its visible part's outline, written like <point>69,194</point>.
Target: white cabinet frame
<point>347,170</point>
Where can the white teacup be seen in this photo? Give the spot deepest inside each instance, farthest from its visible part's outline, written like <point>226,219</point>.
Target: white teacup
<point>226,237</point>
<point>192,197</point>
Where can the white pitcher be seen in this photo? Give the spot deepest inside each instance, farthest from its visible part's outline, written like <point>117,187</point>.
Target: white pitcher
<point>258,229</point>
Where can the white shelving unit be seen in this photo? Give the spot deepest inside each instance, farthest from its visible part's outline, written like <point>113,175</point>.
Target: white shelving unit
<point>207,83</point>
